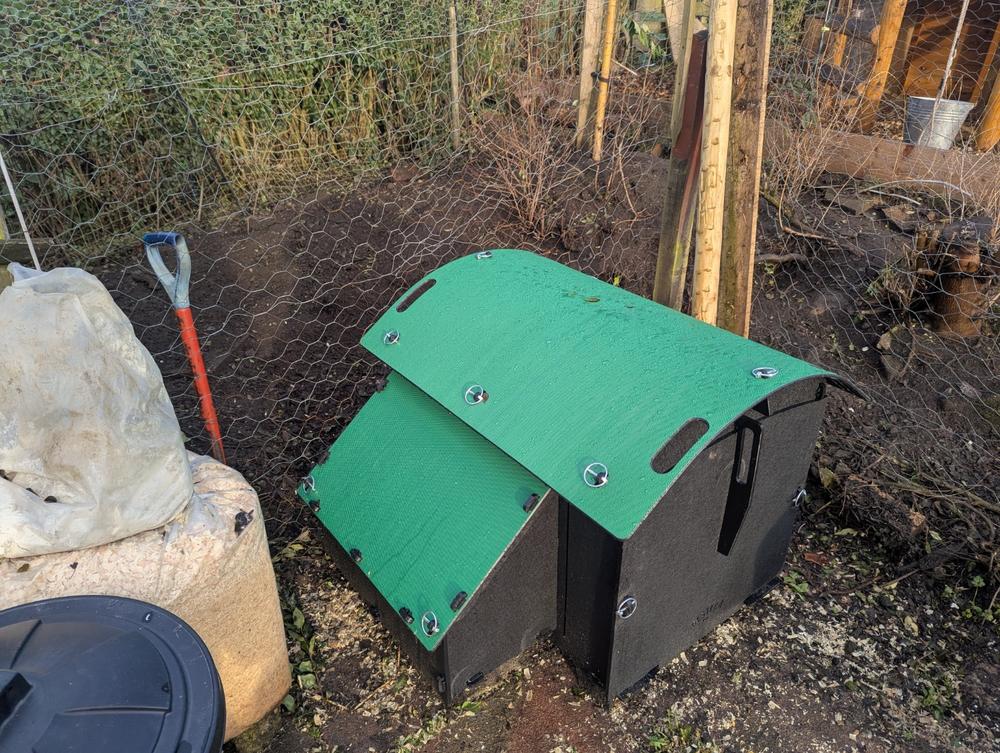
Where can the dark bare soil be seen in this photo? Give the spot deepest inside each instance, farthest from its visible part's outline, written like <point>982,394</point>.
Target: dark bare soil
<point>877,640</point>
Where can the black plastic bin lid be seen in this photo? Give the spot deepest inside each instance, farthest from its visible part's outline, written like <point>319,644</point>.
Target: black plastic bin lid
<point>99,674</point>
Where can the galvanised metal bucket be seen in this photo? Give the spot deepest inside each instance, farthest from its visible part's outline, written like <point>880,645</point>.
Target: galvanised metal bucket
<point>948,120</point>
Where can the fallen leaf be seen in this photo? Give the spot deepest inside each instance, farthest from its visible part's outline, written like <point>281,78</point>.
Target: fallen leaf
<point>827,477</point>
<point>817,558</point>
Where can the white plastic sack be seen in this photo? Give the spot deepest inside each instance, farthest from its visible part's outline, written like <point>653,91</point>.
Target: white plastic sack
<point>210,566</point>
<point>90,448</point>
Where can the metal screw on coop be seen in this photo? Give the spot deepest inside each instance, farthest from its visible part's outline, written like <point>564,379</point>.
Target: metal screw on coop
<point>627,608</point>
<point>391,337</point>
<point>476,394</point>
<point>595,475</point>
<point>429,623</point>
<point>800,496</point>
<point>764,372</point>
<point>484,255</point>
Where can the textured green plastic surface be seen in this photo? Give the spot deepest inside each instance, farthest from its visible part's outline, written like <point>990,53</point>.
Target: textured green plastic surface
<point>429,503</point>
<point>577,371</point>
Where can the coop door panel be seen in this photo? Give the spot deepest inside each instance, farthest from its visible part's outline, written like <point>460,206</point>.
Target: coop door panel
<point>428,504</point>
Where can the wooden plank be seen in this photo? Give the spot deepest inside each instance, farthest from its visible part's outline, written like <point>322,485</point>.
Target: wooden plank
<point>680,48</point>
<point>811,37</point>
<point>678,197</point>
<point>889,25</point>
<point>984,71</point>
<point>900,56</point>
<point>715,150</point>
<point>678,205</point>
<point>746,149</point>
<point>592,16</point>
<point>989,128</point>
<point>886,160</point>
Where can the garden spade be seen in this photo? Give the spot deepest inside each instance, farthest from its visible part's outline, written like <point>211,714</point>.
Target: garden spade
<point>177,284</point>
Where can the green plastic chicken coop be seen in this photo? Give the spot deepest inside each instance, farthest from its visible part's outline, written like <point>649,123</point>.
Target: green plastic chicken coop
<point>553,455</point>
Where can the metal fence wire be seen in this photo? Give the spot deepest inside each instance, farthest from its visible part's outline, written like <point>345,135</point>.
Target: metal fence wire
<point>307,150</point>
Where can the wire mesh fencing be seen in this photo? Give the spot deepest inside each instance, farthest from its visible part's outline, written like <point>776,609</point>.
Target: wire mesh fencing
<point>308,150</point>
<point>891,280</point>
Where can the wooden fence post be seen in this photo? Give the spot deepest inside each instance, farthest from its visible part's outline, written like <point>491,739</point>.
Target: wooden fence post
<point>715,150</point>
<point>588,66</point>
<point>890,23</point>
<point>456,90</point>
<point>746,149</point>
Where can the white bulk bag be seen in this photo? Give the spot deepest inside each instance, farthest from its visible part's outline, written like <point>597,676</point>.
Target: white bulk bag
<point>210,566</point>
<point>90,448</point>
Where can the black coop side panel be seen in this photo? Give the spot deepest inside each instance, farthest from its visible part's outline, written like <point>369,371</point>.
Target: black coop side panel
<point>515,606</point>
<point>683,584</point>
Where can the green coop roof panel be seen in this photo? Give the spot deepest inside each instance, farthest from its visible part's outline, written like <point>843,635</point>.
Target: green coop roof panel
<point>428,504</point>
<point>577,373</point>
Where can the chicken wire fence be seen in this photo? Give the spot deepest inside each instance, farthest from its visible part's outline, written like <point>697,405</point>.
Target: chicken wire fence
<point>306,150</point>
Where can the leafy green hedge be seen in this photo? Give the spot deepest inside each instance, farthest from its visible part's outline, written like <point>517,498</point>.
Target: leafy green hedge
<point>119,116</point>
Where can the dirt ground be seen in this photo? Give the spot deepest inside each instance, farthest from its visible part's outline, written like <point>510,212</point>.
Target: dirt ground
<point>877,639</point>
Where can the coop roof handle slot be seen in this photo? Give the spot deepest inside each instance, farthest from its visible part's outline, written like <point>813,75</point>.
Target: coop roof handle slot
<point>740,483</point>
<point>418,291</point>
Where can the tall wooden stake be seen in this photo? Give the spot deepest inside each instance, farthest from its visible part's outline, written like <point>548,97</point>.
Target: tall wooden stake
<point>588,66</point>
<point>456,90</point>
<point>715,151</point>
<point>604,79</point>
<point>890,23</point>
<point>746,149</point>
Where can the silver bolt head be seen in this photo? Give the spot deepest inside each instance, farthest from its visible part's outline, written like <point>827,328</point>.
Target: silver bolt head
<point>484,255</point>
<point>595,475</point>
<point>627,607</point>
<point>429,623</point>
<point>391,337</point>
<point>476,394</point>
<point>764,372</point>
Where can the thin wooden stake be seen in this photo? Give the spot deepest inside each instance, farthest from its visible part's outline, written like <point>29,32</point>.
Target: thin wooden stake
<point>456,90</point>
<point>715,151</point>
<point>746,150</point>
<point>588,63</point>
<point>604,79</point>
